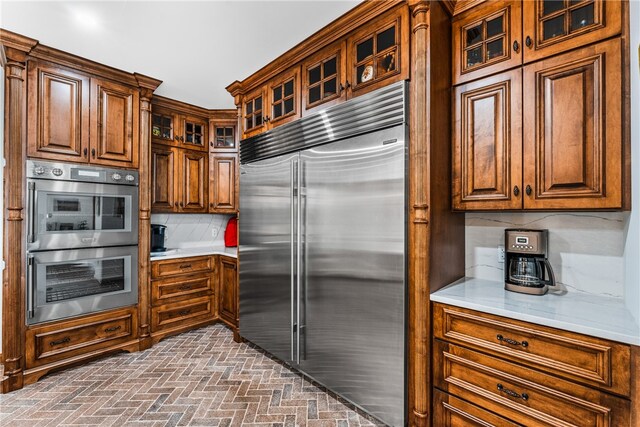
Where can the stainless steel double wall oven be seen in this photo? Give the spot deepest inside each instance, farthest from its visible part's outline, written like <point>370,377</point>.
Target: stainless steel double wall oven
<point>82,239</point>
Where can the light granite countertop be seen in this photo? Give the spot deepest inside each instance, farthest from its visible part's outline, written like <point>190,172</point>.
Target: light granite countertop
<point>196,251</point>
<point>589,314</point>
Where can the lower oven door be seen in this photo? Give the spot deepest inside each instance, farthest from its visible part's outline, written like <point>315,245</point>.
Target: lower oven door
<point>73,282</point>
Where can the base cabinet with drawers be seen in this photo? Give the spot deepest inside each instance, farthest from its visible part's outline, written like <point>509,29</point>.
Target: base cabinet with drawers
<point>491,370</point>
<point>188,293</point>
<point>52,345</point>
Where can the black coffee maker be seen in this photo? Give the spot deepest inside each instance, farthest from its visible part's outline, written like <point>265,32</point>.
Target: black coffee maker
<point>157,238</point>
<point>526,267</point>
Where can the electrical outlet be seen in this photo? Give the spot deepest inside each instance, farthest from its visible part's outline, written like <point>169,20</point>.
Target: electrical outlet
<point>214,232</point>
<point>500,253</point>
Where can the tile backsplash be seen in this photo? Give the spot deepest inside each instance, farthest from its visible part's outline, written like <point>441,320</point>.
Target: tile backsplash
<point>192,230</point>
<point>586,250</point>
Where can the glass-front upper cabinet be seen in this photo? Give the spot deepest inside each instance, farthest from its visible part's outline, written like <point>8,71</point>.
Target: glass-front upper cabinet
<point>379,52</point>
<point>254,118</point>
<point>284,98</point>
<point>553,26</point>
<point>324,80</point>
<point>162,126</point>
<point>194,133</point>
<point>486,40</point>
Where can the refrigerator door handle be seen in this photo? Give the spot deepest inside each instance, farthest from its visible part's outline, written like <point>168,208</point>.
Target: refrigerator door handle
<point>31,291</point>
<point>301,232</point>
<point>293,184</point>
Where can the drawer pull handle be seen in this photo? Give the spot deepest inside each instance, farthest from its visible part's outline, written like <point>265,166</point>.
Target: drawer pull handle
<point>62,341</point>
<point>523,396</point>
<point>512,342</point>
<point>113,329</point>
<point>184,312</point>
<point>185,266</point>
<point>185,287</point>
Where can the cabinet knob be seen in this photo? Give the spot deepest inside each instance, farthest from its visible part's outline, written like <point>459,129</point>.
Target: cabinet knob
<point>85,151</point>
<point>528,42</point>
<point>516,46</point>
<point>516,191</point>
<point>210,205</point>
<point>93,153</point>
<point>348,85</point>
<point>528,190</point>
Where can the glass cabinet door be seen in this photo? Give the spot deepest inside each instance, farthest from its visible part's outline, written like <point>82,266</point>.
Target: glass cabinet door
<point>162,127</point>
<point>224,137</point>
<point>487,39</point>
<point>253,113</point>
<point>194,134</point>
<point>553,26</point>
<point>324,81</point>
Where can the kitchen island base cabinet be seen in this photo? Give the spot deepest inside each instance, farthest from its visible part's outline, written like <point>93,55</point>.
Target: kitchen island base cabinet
<point>55,345</point>
<point>499,371</point>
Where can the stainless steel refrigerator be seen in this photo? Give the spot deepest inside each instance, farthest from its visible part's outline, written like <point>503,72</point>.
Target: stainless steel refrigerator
<point>322,248</point>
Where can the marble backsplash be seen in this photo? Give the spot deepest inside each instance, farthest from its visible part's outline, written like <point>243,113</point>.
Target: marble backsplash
<point>586,249</point>
<point>192,230</point>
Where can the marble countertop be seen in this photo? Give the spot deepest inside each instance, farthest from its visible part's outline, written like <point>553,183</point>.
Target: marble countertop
<point>589,314</point>
<point>196,251</point>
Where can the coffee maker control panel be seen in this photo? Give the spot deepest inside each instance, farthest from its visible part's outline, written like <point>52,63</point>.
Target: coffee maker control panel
<point>525,241</point>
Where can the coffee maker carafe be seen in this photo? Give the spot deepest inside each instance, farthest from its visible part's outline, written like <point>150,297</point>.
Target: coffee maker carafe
<point>527,269</point>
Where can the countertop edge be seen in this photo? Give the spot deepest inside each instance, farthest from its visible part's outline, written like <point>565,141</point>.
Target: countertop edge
<point>538,320</point>
<point>187,253</point>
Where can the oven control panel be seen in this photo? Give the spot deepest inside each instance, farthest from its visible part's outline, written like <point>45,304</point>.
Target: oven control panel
<point>73,172</point>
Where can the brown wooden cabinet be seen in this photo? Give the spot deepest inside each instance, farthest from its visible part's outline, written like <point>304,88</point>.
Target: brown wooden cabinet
<point>527,374</point>
<point>271,105</point>
<point>179,128</point>
<point>51,345</point>
<point>324,78</point>
<point>551,27</point>
<point>498,35</point>
<point>378,52</point>
<point>180,180</point>
<point>570,151</point>
<point>487,39</point>
<point>373,54</point>
<point>228,293</point>
<point>223,183</point>
<point>77,117</point>
<point>183,294</point>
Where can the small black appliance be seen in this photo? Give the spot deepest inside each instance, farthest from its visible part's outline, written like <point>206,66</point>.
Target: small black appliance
<point>157,238</point>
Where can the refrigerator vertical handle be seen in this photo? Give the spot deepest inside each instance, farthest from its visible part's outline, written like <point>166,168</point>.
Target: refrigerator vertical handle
<point>294,253</point>
<point>31,210</point>
<point>30,287</point>
<point>302,282</point>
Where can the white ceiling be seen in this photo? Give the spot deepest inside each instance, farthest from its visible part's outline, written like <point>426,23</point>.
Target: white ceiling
<point>196,48</point>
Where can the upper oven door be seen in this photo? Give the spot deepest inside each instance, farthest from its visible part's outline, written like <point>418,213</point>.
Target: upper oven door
<point>65,215</point>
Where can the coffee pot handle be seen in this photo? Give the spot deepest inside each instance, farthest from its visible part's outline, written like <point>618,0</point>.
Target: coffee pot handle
<point>552,277</point>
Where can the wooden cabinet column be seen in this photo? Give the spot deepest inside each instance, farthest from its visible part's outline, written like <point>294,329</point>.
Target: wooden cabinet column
<point>148,85</point>
<point>419,352</point>
<point>13,51</point>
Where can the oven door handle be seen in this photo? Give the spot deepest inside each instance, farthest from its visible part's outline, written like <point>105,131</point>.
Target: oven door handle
<point>31,211</point>
<point>31,291</point>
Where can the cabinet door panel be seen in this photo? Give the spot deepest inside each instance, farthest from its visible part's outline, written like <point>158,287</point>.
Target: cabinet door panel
<point>114,124</point>
<point>194,181</point>
<point>487,160</point>
<point>324,78</point>
<point>552,27</point>
<point>449,411</point>
<point>163,173</point>
<point>228,291</point>
<point>487,39</point>
<point>222,186</point>
<point>58,102</point>
<point>573,129</point>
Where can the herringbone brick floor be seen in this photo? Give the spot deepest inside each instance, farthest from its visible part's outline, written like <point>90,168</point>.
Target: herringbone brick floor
<point>200,378</point>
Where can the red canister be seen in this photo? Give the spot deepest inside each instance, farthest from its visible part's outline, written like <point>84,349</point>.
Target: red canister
<point>231,232</point>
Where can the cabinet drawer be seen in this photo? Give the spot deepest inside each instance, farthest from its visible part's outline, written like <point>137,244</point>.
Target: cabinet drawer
<point>180,314</point>
<point>449,411</point>
<point>181,266</point>
<point>46,344</point>
<point>181,288</point>
<point>521,394</point>
<point>588,360</point>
